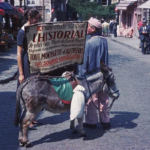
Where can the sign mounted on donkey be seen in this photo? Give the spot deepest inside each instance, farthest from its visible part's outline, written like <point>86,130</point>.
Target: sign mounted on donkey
<point>55,45</point>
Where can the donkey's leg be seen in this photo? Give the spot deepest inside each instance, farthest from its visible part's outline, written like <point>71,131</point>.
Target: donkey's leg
<point>80,127</point>
<point>29,117</point>
<point>72,127</point>
<point>20,135</point>
<point>20,126</point>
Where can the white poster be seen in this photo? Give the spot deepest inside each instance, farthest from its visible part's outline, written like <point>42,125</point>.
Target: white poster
<point>54,45</point>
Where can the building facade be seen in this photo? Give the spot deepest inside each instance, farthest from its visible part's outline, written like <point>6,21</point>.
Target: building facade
<point>102,2</point>
<point>52,8</point>
<point>115,1</point>
<point>129,15</point>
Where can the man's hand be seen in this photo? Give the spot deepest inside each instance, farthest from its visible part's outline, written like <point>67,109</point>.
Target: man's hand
<point>21,78</point>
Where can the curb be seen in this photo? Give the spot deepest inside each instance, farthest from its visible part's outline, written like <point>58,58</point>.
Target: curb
<point>9,79</point>
<point>127,45</point>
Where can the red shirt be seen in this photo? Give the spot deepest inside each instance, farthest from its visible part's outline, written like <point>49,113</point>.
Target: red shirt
<point>140,24</point>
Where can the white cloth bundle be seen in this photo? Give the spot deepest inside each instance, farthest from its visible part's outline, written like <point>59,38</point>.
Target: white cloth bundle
<point>77,103</point>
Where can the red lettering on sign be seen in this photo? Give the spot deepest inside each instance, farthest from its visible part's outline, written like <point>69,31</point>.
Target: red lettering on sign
<point>39,28</point>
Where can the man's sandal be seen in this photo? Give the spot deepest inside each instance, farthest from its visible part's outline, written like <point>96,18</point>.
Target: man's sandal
<point>32,127</point>
<point>36,123</point>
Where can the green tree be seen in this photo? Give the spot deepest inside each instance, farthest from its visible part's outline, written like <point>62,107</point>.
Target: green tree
<point>87,9</point>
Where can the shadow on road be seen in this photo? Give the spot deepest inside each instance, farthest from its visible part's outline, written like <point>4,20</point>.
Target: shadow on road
<point>6,63</point>
<point>56,136</point>
<point>8,132</point>
<point>56,119</point>
<point>67,134</point>
<point>121,120</point>
<point>124,120</point>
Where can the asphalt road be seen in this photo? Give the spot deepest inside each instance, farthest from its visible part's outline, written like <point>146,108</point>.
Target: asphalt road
<point>129,116</point>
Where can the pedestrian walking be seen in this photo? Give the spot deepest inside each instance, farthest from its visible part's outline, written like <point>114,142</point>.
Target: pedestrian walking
<point>144,36</point>
<point>96,50</point>
<point>111,26</point>
<point>115,28</point>
<point>102,20</point>
<point>139,26</point>
<point>105,27</point>
<point>32,17</point>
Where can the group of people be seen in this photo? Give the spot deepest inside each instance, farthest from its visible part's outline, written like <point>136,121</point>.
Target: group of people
<point>109,27</point>
<point>144,35</point>
<point>96,50</point>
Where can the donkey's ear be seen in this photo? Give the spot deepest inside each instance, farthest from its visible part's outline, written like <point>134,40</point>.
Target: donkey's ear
<point>104,69</point>
<point>109,68</point>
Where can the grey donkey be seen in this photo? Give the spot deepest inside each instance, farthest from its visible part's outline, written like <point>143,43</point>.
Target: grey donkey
<point>36,93</point>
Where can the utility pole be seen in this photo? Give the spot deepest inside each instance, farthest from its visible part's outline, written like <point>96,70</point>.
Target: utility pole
<point>43,11</point>
<point>20,3</point>
<point>12,2</point>
<point>24,5</point>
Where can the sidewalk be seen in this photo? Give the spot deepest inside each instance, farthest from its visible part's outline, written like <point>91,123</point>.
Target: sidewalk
<point>129,42</point>
<point>8,64</point>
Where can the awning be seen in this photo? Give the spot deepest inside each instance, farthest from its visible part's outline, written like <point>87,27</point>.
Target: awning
<point>6,7</point>
<point>2,12</point>
<point>124,4</point>
<point>145,5</point>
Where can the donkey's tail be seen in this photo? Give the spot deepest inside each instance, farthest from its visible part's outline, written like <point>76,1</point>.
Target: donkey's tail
<point>18,109</point>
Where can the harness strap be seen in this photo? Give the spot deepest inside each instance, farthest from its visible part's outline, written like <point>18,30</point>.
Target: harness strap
<point>98,108</point>
<point>109,108</point>
<point>91,96</point>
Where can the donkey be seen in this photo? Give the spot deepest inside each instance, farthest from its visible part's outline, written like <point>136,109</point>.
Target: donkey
<point>36,93</point>
<point>83,93</point>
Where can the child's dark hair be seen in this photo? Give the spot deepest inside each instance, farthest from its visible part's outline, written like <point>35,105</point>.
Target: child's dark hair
<point>32,12</point>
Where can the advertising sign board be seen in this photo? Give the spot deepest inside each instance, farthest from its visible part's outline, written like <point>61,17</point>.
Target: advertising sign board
<point>55,45</point>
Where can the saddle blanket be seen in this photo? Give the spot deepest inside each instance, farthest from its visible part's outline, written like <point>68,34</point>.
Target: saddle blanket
<point>63,88</point>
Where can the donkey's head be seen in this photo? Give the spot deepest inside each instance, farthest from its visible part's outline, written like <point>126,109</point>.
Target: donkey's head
<point>110,86</point>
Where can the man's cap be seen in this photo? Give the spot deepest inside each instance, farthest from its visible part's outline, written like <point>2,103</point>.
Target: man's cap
<point>95,22</point>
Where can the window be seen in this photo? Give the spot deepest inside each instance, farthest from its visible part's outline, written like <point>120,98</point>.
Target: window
<point>28,2</point>
<point>104,2</point>
<point>33,2</point>
<point>124,18</point>
<point>129,20</point>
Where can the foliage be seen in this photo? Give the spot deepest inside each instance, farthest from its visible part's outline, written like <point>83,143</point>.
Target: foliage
<point>87,9</point>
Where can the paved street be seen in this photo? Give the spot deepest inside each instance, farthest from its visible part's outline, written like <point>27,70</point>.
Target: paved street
<point>129,115</point>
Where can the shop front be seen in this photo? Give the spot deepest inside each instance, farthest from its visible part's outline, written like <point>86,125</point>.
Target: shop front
<point>9,23</point>
<point>127,18</point>
<point>146,11</point>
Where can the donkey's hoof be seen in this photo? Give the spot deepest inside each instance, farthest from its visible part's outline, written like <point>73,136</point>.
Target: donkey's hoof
<point>83,135</point>
<point>74,132</point>
<point>28,144</point>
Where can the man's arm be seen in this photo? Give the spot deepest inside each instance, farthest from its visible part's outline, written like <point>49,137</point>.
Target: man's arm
<point>105,52</point>
<point>86,59</point>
